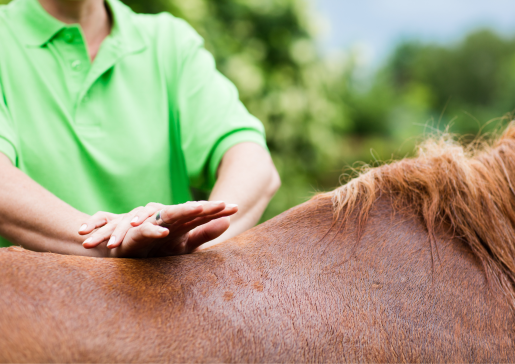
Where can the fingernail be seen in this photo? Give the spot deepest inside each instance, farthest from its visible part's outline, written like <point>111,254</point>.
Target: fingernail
<point>162,230</point>
<point>217,201</point>
<point>87,241</point>
<point>136,218</point>
<point>83,227</point>
<point>231,206</point>
<point>111,240</point>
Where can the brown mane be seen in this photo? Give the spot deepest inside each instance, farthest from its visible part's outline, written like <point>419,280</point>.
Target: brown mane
<point>470,189</point>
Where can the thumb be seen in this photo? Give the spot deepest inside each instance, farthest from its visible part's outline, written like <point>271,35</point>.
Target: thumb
<point>207,232</point>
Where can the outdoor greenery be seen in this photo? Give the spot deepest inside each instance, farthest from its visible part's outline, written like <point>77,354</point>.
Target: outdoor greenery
<point>322,114</point>
<point>266,48</point>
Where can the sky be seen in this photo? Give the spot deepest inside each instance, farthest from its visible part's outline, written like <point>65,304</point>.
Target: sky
<point>376,26</point>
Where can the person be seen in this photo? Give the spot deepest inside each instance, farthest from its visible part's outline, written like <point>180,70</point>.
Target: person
<point>107,119</point>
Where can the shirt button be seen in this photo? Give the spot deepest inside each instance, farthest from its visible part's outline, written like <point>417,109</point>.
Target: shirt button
<point>76,65</point>
<point>68,37</point>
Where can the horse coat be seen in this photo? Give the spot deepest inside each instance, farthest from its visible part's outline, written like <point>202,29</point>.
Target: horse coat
<point>410,262</point>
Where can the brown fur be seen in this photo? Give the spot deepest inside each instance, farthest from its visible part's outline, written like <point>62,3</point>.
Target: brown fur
<point>295,289</point>
<point>471,190</point>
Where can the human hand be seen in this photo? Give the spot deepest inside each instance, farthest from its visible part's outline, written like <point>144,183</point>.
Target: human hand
<point>107,222</point>
<point>184,228</point>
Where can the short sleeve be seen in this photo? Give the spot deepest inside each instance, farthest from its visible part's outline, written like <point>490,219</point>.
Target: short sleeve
<point>212,118</point>
<point>7,134</point>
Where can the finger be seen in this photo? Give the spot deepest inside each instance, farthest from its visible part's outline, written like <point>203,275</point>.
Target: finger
<point>141,215</point>
<point>146,231</point>
<point>229,210</point>
<point>179,218</point>
<point>208,232</point>
<point>173,213</point>
<point>140,240</point>
<point>95,221</point>
<point>118,234</point>
<point>129,221</point>
<point>100,235</point>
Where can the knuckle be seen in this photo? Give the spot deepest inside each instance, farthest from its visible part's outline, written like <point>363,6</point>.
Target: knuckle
<point>112,222</point>
<point>100,216</point>
<point>137,209</point>
<point>155,205</point>
<point>147,227</point>
<point>147,211</point>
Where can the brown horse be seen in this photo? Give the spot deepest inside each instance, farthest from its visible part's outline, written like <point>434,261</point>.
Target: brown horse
<point>410,262</point>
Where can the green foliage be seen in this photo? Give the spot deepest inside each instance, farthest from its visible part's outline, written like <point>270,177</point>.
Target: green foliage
<point>423,87</point>
<point>474,77</point>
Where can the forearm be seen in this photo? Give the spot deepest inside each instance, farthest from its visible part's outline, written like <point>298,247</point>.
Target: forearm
<point>35,219</point>
<point>247,177</point>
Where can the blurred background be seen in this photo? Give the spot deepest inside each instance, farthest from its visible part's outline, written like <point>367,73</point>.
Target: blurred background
<point>339,83</point>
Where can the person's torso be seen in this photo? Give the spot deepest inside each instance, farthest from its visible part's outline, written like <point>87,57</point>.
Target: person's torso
<point>96,135</point>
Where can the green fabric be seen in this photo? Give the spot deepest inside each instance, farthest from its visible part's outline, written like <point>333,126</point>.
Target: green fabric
<point>149,118</point>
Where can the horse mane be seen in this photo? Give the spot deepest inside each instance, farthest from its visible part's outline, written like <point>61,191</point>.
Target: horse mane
<point>468,188</point>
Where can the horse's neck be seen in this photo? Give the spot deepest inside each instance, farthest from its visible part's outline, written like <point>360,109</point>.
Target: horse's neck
<point>385,280</point>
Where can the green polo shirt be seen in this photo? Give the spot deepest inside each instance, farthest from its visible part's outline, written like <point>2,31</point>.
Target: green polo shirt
<point>150,117</point>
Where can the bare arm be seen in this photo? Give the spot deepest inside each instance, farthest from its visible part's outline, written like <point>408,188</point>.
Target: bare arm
<point>248,178</point>
<point>36,219</point>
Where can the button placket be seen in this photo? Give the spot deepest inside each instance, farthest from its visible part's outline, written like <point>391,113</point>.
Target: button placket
<point>68,37</point>
<point>75,58</point>
<point>76,65</point>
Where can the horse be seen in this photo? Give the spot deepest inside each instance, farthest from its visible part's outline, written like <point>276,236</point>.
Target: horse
<point>412,261</point>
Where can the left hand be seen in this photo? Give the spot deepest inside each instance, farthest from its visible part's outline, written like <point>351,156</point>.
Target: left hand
<point>115,226</point>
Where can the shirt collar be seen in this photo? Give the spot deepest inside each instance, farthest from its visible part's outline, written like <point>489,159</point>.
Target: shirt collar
<point>33,24</point>
<point>124,32</point>
<point>36,27</point>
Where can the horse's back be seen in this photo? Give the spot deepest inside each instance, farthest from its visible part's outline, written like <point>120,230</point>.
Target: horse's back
<point>283,292</point>
<point>58,308</point>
